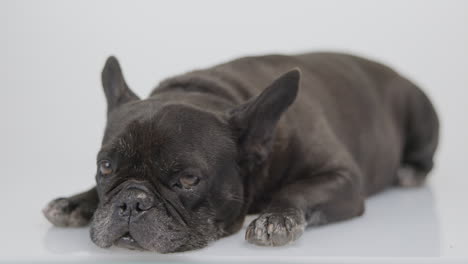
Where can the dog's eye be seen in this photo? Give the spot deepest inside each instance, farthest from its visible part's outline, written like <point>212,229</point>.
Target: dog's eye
<point>188,180</point>
<point>105,167</point>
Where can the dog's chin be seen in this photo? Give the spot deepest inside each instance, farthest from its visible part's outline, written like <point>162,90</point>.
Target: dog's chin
<point>165,242</point>
<point>153,231</point>
<point>127,241</point>
<point>142,238</point>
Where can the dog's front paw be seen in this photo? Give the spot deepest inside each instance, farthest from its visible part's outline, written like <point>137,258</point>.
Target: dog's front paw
<point>64,212</point>
<point>276,229</point>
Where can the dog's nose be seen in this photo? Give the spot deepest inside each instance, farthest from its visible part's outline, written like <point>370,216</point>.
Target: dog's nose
<point>134,201</point>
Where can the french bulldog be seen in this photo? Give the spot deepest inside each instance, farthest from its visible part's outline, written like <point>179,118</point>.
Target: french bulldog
<point>300,140</point>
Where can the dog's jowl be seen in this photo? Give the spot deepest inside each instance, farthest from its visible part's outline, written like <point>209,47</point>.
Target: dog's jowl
<point>300,140</point>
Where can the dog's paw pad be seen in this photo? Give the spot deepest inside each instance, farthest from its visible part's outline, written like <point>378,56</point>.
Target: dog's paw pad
<point>275,229</point>
<point>62,212</point>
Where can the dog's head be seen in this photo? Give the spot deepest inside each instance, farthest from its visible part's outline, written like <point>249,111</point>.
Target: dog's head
<point>169,175</point>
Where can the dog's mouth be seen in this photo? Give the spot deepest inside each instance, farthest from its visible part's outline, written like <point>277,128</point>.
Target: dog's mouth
<point>127,241</point>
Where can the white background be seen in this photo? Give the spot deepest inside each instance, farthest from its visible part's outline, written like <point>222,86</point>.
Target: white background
<point>52,110</point>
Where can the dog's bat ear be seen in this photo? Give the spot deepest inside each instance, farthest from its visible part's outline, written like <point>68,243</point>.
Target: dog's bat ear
<point>115,87</point>
<point>254,122</point>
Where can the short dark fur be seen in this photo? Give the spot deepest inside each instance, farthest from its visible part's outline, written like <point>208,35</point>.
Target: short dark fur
<point>305,149</point>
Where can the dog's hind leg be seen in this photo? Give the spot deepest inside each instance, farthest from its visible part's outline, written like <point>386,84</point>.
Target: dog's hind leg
<point>422,131</point>
<point>73,211</point>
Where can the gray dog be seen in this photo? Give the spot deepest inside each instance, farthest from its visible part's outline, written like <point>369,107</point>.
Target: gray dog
<point>301,140</point>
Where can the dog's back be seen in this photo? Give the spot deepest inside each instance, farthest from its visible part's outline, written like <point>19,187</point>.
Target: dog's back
<point>386,124</point>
